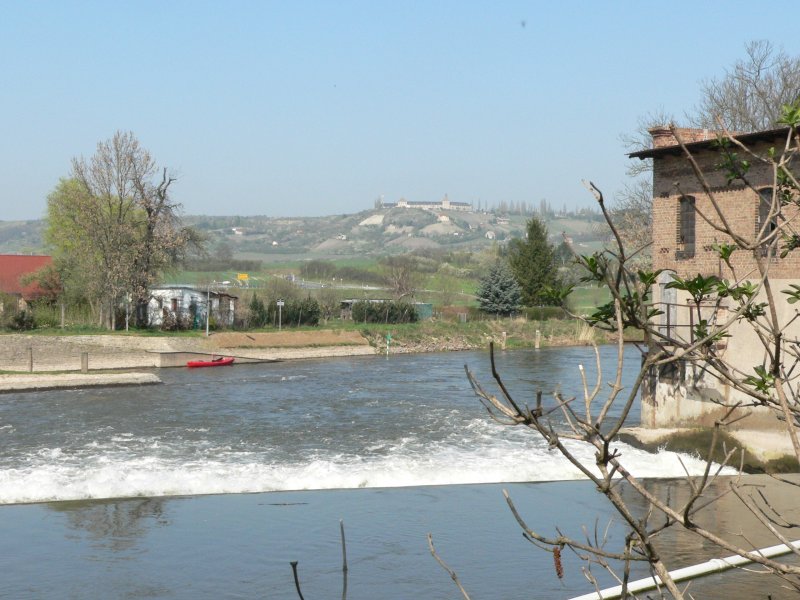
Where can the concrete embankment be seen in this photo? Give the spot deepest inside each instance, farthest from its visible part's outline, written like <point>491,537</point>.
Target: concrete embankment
<point>40,362</point>
<point>763,451</point>
<point>35,382</point>
<point>42,353</point>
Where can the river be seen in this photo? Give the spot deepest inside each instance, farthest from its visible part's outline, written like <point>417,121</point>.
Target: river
<point>207,486</point>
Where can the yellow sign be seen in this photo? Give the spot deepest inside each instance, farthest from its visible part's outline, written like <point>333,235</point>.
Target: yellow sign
<point>242,276</point>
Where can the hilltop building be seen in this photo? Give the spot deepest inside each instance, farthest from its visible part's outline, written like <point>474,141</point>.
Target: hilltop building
<point>444,204</point>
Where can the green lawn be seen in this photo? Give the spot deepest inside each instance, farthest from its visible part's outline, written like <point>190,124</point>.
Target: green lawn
<point>584,300</point>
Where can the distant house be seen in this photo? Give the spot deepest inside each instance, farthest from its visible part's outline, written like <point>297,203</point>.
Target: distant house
<point>490,235</point>
<point>13,270</point>
<point>188,304</point>
<point>444,204</point>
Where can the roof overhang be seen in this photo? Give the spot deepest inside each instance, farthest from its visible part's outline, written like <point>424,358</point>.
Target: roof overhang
<point>746,138</point>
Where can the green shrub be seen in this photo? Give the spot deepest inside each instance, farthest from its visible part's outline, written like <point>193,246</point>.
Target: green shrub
<point>22,321</point>
<point>302,312</point>
<point>384,312</point>
<point>259,315</point>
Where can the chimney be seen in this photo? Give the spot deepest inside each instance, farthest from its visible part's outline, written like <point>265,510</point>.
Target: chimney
<point>662,136</point>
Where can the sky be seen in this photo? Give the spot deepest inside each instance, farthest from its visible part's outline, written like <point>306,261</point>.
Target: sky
<point>317,108</point>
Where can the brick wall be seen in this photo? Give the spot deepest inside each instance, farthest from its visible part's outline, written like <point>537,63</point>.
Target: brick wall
<point>688,396</point>
<point>673,178</point>
<point>663,136</point>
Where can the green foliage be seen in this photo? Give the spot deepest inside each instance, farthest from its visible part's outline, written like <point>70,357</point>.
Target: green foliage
<point>725,251</point>
<point>498,292</point>
<point>22,321</point>
<point>762,381</point>
<point>698,287</point>
<point>790,115</point>
<point>301,312</point>
<point>259,316</point>
<point>318,270</point>
<point>295,312</point>
<point>384,312</point>
<point>735,168</point>
<point>533,262</point>
<point>114,228</point>
<point>793,294</point>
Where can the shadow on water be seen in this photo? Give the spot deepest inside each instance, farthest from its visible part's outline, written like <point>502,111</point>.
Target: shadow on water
<point>117,525</point>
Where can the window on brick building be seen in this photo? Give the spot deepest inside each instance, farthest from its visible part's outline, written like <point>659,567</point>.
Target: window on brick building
<point>762,217</point>
<point>685,235</point>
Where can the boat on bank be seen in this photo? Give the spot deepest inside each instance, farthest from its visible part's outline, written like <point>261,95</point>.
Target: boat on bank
<point>222,361</point>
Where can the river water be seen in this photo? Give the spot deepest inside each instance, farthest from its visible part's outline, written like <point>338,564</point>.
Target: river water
<point>207,486</point>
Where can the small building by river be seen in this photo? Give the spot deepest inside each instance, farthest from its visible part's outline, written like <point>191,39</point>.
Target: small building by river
<point>188,306</point>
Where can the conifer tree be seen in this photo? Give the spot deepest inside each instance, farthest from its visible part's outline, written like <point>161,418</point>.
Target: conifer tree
<point>533,263</point>
<point>498,292</point>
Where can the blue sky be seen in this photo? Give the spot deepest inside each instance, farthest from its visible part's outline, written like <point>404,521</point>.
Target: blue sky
<point>316,108</point>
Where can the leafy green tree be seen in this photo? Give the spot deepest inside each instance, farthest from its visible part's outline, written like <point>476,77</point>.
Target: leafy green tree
<point>114,227</point>
<point>302,312</point>
<point>498,292</point>
<point>533,264</point>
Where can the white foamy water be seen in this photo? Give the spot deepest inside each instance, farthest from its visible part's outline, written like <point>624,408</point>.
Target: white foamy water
<point>51,475</point>
<point>312,425</point>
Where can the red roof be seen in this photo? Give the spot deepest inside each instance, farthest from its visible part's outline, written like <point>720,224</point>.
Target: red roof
<point>14,266</point>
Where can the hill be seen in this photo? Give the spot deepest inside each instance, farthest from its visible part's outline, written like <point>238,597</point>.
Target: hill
<point>390,230</point>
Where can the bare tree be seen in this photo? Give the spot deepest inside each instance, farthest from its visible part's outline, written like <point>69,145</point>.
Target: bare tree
<point>747,98</point>
<point>750,95</point>
<point>632,214</point>
<point>640,139</point>
<point>401,275</point>
<point>747,299</point>
<point>115,223</point>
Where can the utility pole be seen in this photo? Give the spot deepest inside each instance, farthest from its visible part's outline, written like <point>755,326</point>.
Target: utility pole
<point>208,306</point>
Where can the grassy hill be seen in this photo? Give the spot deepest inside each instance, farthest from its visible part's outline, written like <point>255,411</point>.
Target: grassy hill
<point>378,232</point>
<point>369,233</point>
<point>21,237</point>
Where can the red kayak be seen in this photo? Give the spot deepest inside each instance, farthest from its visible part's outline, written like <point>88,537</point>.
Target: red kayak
<point>222,361</point>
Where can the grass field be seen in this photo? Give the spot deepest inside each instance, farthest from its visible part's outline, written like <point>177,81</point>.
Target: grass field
<point>584,300</point>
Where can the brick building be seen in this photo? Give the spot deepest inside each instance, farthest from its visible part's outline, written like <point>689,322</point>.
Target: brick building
<point>13,271</point>
<point>684,237</point>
